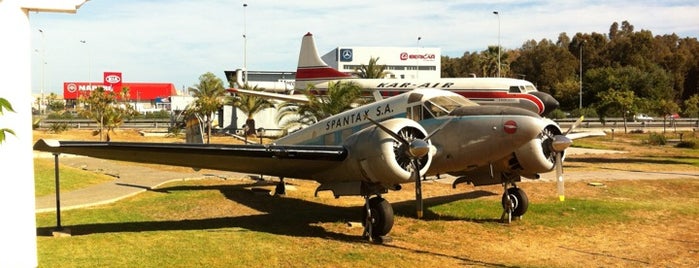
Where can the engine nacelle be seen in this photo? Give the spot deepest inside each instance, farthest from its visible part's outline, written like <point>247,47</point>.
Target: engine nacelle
<point>536,156</point>
<point>389,165</point>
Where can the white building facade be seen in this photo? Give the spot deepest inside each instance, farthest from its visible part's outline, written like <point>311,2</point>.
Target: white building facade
<point>401,62</point>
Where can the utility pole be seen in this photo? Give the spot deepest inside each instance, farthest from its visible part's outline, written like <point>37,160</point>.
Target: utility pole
<point>498,14</point>
<point>245,43</point>
<point>581,74</point>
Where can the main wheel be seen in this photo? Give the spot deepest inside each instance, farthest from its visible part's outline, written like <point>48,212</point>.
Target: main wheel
<point>520,202</point>
<point>381,216</point>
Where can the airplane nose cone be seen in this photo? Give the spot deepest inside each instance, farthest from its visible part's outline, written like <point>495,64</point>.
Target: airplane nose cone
<point>550,103</point>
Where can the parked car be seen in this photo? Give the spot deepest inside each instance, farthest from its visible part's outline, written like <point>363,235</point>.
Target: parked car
<point>672,116</point>
<point>642,118</point>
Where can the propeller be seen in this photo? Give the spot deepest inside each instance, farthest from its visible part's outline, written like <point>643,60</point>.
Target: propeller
<point>416,149</point>
<point>559,143</point>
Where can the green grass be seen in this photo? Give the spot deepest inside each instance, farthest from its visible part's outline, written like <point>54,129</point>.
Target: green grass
<point>70,178</point>
<point>204,224</point>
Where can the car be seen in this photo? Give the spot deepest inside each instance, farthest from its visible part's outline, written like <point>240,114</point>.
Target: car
<point>672,116</point>
<point>642,118</point>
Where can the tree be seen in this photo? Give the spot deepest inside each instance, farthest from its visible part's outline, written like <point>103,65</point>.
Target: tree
<point>691,106</point>
<point>53,104</point>
<point>489,63</point>
<point>371,70</point>
<point>623,100</point>
<point>210,95</point>
<point>341,96</point>
<point>104,107</point>
<point>546,65</point>
<point>250,105</point>
<point>665,108</point>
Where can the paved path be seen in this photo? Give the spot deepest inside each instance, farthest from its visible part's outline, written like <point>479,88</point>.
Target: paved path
<point>133,179</point>
<point>130,180</point>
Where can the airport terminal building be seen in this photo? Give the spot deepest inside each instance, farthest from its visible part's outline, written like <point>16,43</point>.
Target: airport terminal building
<point>401,62</point>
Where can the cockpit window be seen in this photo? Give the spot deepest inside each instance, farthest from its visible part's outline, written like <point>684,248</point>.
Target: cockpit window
<point>515,89</point>
<point>443,105</point>
<point>529,88</point>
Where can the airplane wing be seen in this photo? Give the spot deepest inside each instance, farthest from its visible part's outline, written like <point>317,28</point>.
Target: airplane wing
<point>295,161</point>
<point>300,98</point>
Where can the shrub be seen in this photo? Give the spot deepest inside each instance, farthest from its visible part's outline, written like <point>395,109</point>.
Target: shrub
<point>557,114</point>
<point>657,139</point>
<point>687,144</point>
<point>58,127</point>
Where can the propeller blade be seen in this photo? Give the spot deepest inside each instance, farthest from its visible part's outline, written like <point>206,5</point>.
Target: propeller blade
<point>438,129</point>
<point>418,187</point>
<point>385,129</point>
<point>559,177</point>
<point>575,125</point>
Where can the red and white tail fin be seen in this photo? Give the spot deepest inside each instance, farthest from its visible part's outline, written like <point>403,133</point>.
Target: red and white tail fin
<point>311,68</point>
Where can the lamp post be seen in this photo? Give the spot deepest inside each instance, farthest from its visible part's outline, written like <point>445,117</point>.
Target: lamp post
<point>581,74</point>
<point>417,66</point>
<point>89,65</point>
<point>245,43</point>
<point>498,14</point>
<point>43,70</point>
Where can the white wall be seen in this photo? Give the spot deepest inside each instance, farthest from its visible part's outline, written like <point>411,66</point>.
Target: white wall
<point>18,224</point>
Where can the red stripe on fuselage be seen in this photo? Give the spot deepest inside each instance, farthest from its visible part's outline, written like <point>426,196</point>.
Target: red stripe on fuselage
<point>484,95</point>
<point>318,73</point>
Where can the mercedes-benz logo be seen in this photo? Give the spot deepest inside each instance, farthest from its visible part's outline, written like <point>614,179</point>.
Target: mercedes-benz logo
<point>347,54</point>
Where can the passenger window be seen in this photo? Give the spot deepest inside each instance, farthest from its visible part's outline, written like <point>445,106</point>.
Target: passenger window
<point>414,113</point>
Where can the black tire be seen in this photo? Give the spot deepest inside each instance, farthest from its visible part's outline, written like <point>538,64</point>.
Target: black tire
<point>382,214</point>
<point>519,200</point>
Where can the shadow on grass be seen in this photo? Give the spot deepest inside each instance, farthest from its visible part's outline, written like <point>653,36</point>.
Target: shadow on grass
<point>635,160</point>
<point>283,215</point>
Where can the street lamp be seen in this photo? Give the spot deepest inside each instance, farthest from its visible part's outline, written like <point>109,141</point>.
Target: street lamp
<point>498,14</point>
<point>245,43</point>
<point>43,69</point>
<point>89,64</point>
<point>417,66</point>
<point>581,74</point>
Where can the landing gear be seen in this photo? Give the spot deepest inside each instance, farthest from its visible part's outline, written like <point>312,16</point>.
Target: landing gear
<point>377,219</point>
<point>514,203</point>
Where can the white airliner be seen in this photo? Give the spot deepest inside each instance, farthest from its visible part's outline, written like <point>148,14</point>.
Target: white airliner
<point>312,70</point>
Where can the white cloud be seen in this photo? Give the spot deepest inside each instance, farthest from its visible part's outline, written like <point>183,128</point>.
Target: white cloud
<point>176,41</point>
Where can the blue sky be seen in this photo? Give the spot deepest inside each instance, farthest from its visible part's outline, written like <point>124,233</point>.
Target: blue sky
<point>175,41</point>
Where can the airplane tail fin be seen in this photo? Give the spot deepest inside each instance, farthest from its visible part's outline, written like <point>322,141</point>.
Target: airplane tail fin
<point>311,68</point>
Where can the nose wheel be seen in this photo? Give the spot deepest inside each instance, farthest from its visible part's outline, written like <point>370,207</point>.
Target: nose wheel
<point>514,203</point>
<point>377,219</point>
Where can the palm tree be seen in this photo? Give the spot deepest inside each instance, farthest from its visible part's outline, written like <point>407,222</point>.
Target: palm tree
<point>372,70</point>
<point>210,95</point>
<point>340,96</point>
<point>104,107</point>
<point>250,105</point>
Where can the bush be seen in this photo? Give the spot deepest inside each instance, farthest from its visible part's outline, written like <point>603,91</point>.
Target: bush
<point>657,139</point>
<point>557,114</point>
<point>58,127</point>
<point>687,144</point>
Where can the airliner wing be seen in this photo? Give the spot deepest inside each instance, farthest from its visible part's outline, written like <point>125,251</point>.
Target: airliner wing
<point>294,161</point>
<point>300,98</point>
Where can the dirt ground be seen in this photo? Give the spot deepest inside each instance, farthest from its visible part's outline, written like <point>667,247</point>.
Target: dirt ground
<point>653,239</point>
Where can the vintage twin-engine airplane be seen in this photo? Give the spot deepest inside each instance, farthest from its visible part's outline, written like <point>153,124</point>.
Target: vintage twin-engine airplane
<point>312,70</point>
<point>377,147</point>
